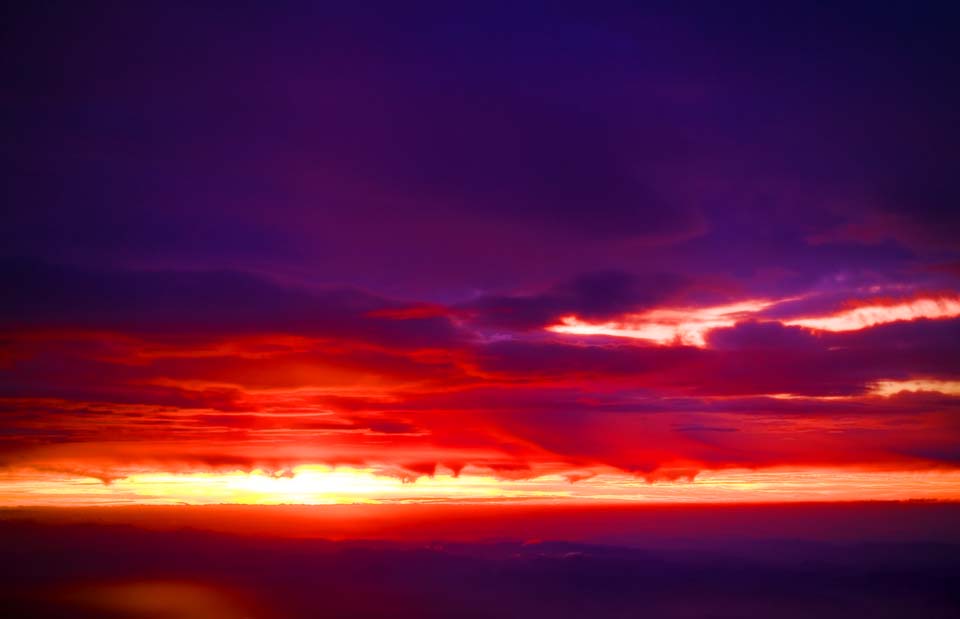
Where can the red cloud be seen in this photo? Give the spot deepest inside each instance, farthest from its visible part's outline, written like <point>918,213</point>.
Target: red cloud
<point>405,388</point>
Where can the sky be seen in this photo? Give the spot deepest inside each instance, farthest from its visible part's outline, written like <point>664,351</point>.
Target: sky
<point>302,253</point>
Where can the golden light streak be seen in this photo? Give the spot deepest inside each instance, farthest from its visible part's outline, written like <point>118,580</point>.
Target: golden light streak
<point>893,387</point>
<point>322,485</point>
<point>870,315</point>
<point>689,326</point>
<point>667,325</point>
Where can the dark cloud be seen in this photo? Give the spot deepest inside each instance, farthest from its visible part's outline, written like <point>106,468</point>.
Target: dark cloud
<point>762,336</point>
<point>559,359</point>
<point>203,303</point>
<point>591,296</point>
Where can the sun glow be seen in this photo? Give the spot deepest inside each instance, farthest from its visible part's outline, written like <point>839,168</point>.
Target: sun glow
<point>323,485</point>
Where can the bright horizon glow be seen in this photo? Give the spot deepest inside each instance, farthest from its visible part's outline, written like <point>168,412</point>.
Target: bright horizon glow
<point>323,485</point>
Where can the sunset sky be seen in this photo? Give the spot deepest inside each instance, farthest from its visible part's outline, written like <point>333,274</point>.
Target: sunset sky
<point>479,310</point>
<point>307,254</point>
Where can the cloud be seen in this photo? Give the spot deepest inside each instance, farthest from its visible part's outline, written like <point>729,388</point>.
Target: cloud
<point>753,335</point>
<point>205,303</point>
<point>593,296</point>
<point>340,388</point>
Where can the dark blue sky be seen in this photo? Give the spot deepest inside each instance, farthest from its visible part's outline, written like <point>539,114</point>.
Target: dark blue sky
<point>432,152</point>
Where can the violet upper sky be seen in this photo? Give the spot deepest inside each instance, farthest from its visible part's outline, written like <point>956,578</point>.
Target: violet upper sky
<point>435,152</point>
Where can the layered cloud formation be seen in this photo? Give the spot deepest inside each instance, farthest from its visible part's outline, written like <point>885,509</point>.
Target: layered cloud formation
<point>639,244</point>
<point>115,373</point>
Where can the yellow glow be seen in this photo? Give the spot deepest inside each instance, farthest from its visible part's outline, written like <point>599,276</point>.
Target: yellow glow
<point>893,387</point>
<point>793,396</point>
<point>318,485</point>
<point>668,325</point>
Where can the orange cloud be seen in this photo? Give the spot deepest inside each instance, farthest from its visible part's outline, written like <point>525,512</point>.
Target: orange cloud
<point>111,414</point>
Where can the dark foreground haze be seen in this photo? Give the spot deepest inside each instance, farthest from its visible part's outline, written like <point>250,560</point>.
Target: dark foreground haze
<point>871,560</point>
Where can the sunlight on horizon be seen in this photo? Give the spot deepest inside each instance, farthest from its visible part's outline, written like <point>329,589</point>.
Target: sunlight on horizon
<point>323,485</point>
